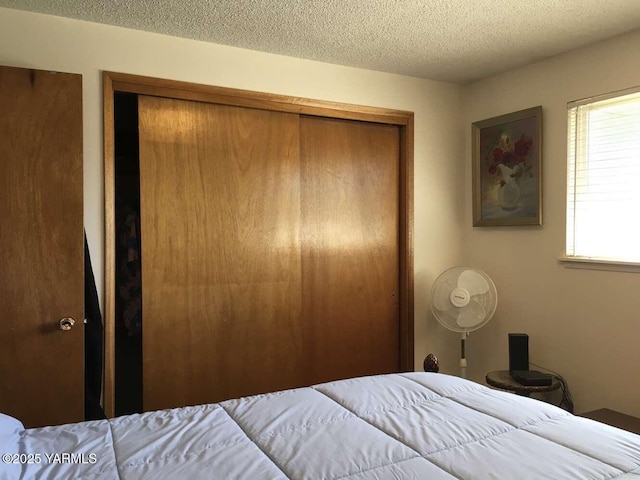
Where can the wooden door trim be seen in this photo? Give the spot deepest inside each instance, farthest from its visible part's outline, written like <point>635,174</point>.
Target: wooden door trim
<point>120,82</point>
<point>245,98</point>
<point>109,247</point>
<point>406,247</point>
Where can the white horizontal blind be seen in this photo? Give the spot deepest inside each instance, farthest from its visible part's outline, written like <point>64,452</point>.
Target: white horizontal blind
<point>603,180</point>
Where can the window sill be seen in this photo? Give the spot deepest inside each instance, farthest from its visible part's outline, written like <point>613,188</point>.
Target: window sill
<point>591,263</point>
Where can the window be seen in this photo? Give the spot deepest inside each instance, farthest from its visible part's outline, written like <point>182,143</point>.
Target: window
<point>603,179</point>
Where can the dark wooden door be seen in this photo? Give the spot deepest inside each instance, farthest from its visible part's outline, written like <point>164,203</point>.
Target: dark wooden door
<point>41,246</point>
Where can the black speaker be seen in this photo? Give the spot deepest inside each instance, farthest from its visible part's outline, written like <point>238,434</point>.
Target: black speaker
<point>518,351</point>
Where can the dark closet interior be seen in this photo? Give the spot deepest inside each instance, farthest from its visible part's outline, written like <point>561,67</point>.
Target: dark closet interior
<point>128,331</point>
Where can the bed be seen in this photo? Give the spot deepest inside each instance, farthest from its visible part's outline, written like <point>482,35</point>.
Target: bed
<point>398,426</point>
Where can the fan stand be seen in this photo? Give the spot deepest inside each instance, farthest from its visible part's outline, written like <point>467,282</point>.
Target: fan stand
<point>463,358</point>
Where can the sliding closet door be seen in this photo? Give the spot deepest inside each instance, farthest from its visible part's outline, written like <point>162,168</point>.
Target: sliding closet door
<point>350,263</point>
<point>221,258</point>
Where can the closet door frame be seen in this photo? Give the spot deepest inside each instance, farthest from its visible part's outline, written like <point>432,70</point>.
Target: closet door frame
<point>120,82</point>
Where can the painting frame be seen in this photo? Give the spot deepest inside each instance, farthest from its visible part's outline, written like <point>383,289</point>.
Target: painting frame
<point>507,169</point>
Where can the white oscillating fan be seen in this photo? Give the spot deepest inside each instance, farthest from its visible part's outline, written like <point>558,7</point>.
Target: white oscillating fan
<point>463,299</point>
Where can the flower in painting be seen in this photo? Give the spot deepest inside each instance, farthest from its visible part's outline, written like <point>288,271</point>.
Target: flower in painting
<point>521,148</point>
<point>497,154</point>
<point>514,155</point>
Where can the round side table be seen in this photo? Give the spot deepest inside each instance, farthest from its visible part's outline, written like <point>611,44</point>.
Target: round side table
<point>502,380</point>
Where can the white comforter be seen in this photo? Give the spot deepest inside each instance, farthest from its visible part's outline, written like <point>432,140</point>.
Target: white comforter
<point>401,426</point>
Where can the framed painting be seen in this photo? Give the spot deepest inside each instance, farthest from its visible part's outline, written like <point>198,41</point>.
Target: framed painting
<point>507,169</point>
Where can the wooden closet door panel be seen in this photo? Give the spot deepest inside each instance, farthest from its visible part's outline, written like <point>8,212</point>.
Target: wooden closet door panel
<point>220,222</point>
<point>350,247</point>
<point>41,246</point>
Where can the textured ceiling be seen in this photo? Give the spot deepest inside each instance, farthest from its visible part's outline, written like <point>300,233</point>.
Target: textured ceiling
<point>451,40</point>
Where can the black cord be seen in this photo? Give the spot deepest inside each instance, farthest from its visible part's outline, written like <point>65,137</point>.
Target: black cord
<point>566,402</point>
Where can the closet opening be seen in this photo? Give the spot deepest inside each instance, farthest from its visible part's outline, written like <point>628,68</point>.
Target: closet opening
<point>201,161</point>
<point>128,305</point>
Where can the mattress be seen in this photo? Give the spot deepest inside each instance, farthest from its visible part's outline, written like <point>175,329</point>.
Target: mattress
<point>399,426</point>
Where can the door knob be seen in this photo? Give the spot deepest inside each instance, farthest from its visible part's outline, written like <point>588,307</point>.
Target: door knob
<point>67,323</point>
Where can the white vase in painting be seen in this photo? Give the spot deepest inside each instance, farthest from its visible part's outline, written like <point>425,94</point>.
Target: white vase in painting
<point>509,192</point>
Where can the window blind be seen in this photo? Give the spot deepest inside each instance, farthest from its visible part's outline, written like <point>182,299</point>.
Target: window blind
<point>603,178</point>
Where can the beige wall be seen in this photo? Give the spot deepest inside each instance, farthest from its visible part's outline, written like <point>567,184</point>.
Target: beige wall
<point>584,324</point>
<point>53,43</point>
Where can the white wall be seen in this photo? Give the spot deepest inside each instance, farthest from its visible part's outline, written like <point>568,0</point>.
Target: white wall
<point>53,43</point>
<point>584,324</point>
